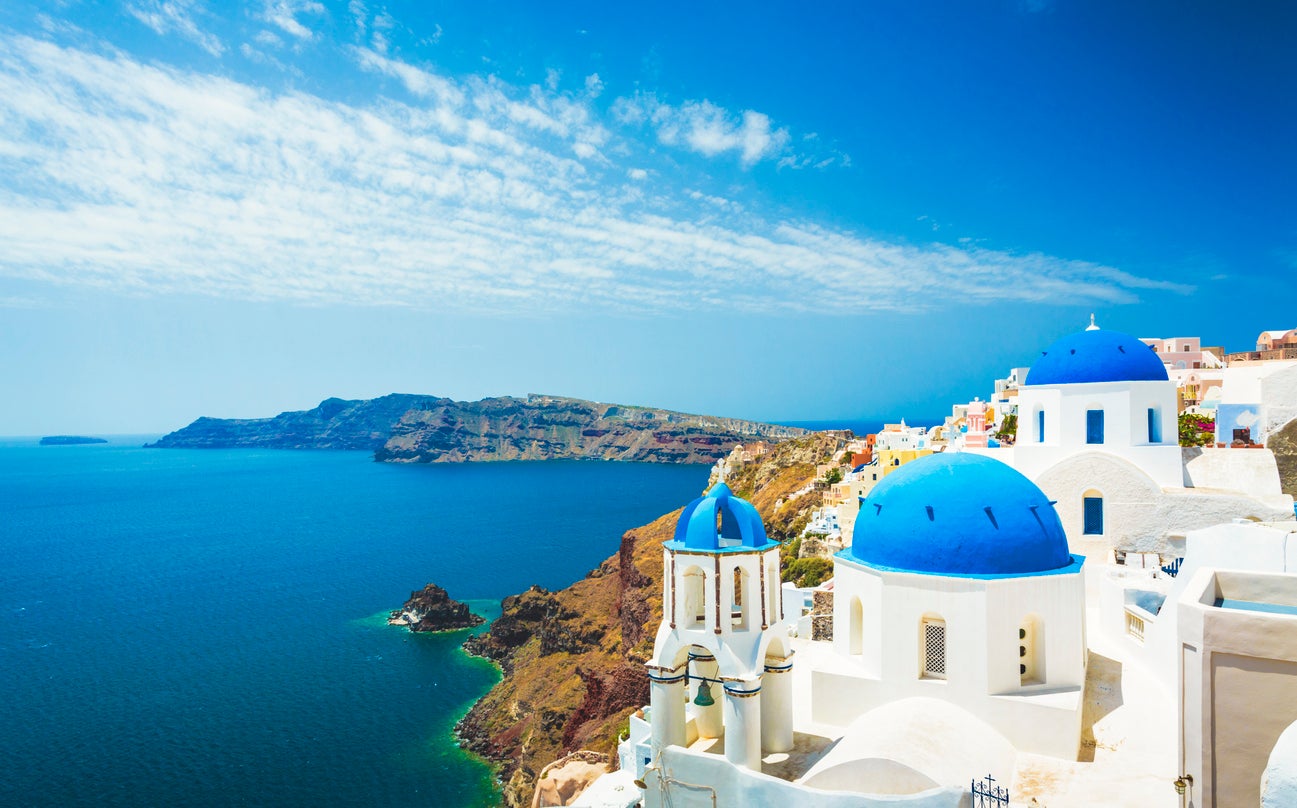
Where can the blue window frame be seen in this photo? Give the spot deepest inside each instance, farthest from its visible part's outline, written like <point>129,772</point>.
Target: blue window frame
<point>1093,516</point>
<point>1154,426</point>
<point>1040,426</point>
<point>1094,426</point>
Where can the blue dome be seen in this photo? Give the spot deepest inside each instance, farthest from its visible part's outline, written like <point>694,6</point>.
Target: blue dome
<point>740,524</point>
<point>1097,356</point>
<point>959,514</point>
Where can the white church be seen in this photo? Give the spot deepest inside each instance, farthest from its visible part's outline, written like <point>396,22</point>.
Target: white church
<point>975,647</point>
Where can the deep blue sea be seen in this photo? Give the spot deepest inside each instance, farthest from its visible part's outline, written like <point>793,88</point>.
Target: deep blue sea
<point>206,627</point>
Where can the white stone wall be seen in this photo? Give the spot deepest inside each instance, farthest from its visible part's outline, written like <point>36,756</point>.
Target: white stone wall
<point>1234,546</point>
<point>1141,516</point>
<point>1249,470</point>
<point>1279,783</point>
<point>1239,674</point>
<point>982,618</point>
<point>1278,400</point>
<point>1125,406</point>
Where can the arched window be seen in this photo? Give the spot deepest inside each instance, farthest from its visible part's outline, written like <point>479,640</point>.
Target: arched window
<point>739,612</point>
<point>1154,425</point>
<point>693,603</point>
<point>1092,513</point>
<point>1031,656</point>
<point>1040,426</point>
<point>932,648</point>
<point>1094,426</point>
<point>857,626</point>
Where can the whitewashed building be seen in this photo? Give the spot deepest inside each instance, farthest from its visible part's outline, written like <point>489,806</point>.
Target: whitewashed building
<point>1098,432</point>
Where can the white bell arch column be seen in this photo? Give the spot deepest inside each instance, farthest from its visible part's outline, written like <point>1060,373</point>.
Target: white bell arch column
<point>666,707</point>
<point>777,705</point>
<point>743,723</point>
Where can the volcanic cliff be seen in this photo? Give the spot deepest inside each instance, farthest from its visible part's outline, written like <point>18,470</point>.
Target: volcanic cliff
<point>573,660</point>
<point>425,429</point>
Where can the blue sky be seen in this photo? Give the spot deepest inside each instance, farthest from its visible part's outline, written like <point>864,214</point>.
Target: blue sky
<point>763,210</point>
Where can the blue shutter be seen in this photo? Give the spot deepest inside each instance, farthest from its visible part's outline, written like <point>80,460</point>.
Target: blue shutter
<point>1154,428</point>
<point>1093,516</point>
<point>1040,426</point>
<point>1094,426</point>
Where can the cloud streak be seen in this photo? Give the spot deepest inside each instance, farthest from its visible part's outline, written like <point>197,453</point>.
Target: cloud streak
<point>472,196</point>
<point>168,16</point>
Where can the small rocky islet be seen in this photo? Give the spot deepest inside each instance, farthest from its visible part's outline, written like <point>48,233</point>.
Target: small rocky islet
<point>431,609</point>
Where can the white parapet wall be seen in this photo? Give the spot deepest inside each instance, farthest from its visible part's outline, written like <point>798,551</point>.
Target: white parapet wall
<point>687,779</point>
<point>1238,657</point>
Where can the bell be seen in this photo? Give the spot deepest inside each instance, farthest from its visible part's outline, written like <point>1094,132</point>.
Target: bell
<point>704,697</point>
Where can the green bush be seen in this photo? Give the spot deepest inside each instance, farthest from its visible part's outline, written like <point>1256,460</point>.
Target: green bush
<point>1197,430</point>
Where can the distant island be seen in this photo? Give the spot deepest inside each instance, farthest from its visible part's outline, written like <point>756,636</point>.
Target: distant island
<point>403,428</point>
<point>69,440</point>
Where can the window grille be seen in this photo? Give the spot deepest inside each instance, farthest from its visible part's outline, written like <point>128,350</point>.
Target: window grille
<point>934,649</point>
<point>1135,626</point>
<point>1092,516</point>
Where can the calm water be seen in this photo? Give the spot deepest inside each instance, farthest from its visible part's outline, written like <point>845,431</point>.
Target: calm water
<point>189,627</point>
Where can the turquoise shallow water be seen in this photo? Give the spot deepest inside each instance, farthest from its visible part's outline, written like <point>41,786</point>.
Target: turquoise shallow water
<point>206,627</point>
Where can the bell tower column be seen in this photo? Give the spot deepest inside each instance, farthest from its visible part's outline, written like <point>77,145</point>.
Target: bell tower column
<point>666,708</point>
<point>743,724</point>
<point>777,705</point>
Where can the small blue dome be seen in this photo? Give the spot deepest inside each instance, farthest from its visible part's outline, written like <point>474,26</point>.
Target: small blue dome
<point>740,524</point>
<point>1097,356</point>
<point>959,514</point>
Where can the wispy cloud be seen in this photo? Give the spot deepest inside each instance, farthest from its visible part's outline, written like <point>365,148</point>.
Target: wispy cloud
<point>286,14</point>
<point>176,16</point>
<point>705,128</point>
<point>469,195</point>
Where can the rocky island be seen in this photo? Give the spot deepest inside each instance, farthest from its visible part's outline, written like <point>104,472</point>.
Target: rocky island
<point>69,440</point>
<point>402,428</point>
<point>431,609</point>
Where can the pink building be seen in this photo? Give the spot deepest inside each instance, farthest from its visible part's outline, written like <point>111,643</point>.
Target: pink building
<point>976,421</point>
<point>1184,353</point>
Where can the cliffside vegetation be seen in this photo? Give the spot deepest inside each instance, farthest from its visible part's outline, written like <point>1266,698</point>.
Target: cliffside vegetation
<point>573,660</point>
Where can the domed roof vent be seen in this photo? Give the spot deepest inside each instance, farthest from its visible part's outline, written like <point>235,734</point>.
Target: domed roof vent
<point>959,514</point>
<point>719,521</point>
<point>1095,355</point>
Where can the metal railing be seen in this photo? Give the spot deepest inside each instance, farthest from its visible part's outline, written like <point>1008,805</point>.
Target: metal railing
<point>988,795</point>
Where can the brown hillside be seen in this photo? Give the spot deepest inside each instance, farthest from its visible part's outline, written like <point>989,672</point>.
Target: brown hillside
<point>573,660</point>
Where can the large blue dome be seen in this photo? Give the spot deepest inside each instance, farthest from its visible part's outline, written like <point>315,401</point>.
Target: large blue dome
<point>1097,356</point>
<point>740,526</point>
<point>959,514</point>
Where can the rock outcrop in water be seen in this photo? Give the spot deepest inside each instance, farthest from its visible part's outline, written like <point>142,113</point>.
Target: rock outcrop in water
<point>425,429</point>
<point>573,660</point>
<point>431,609</point>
